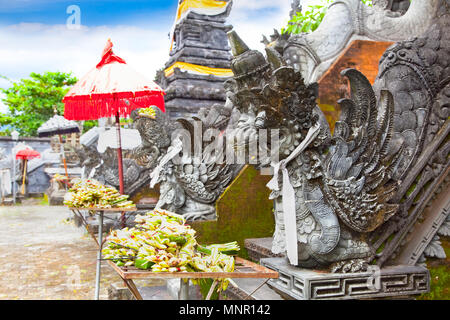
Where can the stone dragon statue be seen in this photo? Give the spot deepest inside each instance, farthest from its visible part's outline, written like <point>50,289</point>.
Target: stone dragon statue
<point>349,184</point>
<point>104,168</point>
<point>191,187</point>
<point>353,190</point>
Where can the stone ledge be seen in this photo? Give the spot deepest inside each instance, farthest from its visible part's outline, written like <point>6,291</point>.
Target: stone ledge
<point>259,248</point>
<point>304,284</point>
<point>246,290</point>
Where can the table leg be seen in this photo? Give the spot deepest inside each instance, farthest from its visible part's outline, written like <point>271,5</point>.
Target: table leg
<point>132,287</point>
<point>183,294</point>
<point>99,255</point>
<point>85,224</point>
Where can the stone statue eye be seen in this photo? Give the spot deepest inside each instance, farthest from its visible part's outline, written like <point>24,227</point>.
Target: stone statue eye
<point>402,54</point>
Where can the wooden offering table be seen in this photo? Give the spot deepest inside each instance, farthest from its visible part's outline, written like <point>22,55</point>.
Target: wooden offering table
<point>243,269</point>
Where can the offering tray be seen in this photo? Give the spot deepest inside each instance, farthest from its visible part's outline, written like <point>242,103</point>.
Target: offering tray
<point>243,269</point>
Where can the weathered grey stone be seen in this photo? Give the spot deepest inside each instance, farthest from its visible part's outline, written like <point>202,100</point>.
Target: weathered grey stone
<point>119,291</point>
<point>260,248</point>
<point>173,289</point>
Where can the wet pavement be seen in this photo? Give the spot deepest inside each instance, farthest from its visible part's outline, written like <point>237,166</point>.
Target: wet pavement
<point>43,255</point>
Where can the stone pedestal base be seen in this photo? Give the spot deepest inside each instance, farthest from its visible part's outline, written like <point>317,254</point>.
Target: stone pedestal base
<point>389,282</point>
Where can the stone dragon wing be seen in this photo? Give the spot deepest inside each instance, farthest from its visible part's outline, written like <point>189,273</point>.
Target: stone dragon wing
<point>204,178</point>
<point>358,170</point>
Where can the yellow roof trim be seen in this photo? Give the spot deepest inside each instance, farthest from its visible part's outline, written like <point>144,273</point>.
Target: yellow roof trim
<point>198,69</point>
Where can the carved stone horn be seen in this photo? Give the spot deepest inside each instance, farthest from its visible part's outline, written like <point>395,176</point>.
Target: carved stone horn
<point>238,46</point>
<point>274,58</point>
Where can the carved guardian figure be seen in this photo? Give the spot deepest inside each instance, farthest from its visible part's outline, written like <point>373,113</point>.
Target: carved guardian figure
<point>347,187</point>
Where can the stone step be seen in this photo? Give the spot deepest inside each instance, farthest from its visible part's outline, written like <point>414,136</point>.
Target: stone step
<point>7,202</point>
<point>250,289</point>
<point>259,248</point>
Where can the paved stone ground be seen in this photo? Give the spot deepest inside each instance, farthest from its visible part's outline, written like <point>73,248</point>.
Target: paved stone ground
<point>44,256</point>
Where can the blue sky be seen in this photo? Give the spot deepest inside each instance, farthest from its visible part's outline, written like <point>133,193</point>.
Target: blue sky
<point>94,13</point>
<point>34,36</point>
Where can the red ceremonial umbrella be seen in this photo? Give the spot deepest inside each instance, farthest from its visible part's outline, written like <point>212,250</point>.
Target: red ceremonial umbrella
<point>111,89</point>
<point>26,154</point>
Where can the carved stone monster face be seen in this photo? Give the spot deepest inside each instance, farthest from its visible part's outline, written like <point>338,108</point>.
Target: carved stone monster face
<point>155,135</point>
<point>270,96</point>
<point>154,131</point>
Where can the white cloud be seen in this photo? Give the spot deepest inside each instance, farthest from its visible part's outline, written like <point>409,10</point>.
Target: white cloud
<point>3,107</point>
<point>253,19</point>
<point>38,48</point>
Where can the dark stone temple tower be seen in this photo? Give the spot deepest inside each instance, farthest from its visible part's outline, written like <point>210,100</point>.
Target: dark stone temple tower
<point>200,58</point>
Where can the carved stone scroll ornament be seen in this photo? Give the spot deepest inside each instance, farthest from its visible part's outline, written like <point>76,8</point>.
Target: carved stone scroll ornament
<point>417,72</point>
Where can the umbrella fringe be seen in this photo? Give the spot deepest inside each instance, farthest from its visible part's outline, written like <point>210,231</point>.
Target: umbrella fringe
<point>103,107</point>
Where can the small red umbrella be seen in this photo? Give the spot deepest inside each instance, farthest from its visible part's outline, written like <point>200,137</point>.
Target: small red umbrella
<point>111,89</point>
<point>25,155</point>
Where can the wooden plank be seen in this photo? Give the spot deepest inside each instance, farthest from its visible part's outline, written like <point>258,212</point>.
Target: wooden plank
<point>243,269</point>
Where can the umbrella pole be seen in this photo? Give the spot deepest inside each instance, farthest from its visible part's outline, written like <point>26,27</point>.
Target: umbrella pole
<point>119,158</point>
<point>119,154</point>
<point>24,175</point>
<point>63,155</point>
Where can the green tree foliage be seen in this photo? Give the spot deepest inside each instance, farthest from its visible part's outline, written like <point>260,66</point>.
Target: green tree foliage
<point>31,101</point>
<point>309,20</point>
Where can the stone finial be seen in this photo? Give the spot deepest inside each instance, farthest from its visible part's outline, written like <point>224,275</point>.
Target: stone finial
<point>238,46</point>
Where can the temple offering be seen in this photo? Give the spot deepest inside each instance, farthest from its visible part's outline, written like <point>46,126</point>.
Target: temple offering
<point>162,242</point>
<point>147,112</point>
<point>89,193</point>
